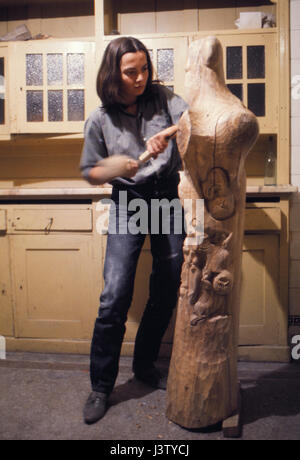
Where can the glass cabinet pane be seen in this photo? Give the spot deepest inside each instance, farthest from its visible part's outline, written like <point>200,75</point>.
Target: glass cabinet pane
<point>54,69</point>
<point>75,69</point>
<point>75,105</point>
<point>55,105</point>
<point>34,69</point>
<point>34,105</point>
<point>256,61</point>
<point>256,99</point>
<point>2,92</point>
<point>165,64</point>
<point>236,89</point>
<point>234,62</point>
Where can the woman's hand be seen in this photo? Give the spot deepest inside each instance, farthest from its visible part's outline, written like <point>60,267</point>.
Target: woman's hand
<point>112,167</point>
<point>157,144</point>
<point>131,168</point>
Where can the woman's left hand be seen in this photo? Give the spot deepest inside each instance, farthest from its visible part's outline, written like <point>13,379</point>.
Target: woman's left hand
<point>157,144</point>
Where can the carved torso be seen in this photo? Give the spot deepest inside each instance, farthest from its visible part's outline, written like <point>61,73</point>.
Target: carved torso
<point>214,138</point>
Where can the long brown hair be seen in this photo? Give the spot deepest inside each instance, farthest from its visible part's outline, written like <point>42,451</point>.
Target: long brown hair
<point>109,75</point>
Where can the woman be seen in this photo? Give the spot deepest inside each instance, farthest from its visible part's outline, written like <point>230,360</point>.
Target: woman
<point>134,114</point>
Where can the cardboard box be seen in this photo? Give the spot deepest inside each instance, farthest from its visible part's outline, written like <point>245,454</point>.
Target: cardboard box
<point>250,20</point>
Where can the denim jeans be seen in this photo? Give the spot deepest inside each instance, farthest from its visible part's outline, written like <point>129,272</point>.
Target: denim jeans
<point>121,259</point>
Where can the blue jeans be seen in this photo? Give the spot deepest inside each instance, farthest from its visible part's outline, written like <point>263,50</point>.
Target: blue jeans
<point>122,255</point>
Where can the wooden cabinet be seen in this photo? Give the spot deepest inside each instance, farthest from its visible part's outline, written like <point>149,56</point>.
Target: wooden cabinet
<point>264,288</point>
<point>53,81</point>
<point>52,285</point>
<point>55,276</point>
<point>260,302</point>
<point>6,302</point>
<point>251,73</point>
<point>4,107</point>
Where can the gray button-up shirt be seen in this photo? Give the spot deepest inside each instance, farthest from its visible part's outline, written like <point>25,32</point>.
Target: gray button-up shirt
<point>121,133</point>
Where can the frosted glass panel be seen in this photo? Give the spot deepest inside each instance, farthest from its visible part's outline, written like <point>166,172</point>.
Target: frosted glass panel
<point>55,69</point>
<point>55,105</point>
<point>236,89</point>
<point>75,105</point>
<point>234,62</point>
<point>2,92</point>
<point>34,69</point>
<point>165,64</point>
<point>34,105</point>
<point>256,61</point>
<point>75,69</point>
<point>256,99</point>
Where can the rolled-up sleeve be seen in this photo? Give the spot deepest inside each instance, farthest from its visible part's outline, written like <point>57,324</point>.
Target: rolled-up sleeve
<point>94,148</point>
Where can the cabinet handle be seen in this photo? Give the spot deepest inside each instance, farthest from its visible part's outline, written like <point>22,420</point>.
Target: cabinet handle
<point>49,225</point>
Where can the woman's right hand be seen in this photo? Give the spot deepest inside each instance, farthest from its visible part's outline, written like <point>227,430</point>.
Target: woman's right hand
<point>112,167</point>
<point>131,168</point>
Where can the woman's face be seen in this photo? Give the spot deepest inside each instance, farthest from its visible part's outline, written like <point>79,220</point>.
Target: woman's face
<point>134,76</point>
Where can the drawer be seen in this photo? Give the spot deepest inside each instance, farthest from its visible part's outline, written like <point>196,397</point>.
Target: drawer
<point>2,220</point>
<point>263,219</point>
<point>51,220</point>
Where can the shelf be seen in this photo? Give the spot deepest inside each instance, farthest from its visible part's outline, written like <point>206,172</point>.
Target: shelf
<point>12,193</point>
<point>62,193</point>
<point>271,190</point>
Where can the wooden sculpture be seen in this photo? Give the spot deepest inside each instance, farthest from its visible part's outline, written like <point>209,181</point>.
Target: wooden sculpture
<point>214,137</point>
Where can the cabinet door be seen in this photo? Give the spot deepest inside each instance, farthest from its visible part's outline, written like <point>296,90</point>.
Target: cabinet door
<point>168,56</point>
<point>54,86</point>
<point>53,284</point>
<point>4,114</point>
<point>251,73</point>
<point>260,304</point>
<point>6,314</point>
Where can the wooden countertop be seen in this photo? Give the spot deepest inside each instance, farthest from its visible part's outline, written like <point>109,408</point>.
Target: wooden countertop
<point>90,192</point>
<point>271,189</point>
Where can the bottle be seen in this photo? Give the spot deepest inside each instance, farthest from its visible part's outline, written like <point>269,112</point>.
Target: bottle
<point>270,164</point>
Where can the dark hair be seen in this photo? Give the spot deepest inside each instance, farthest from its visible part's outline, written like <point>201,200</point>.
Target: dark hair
<point>109,74</point>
